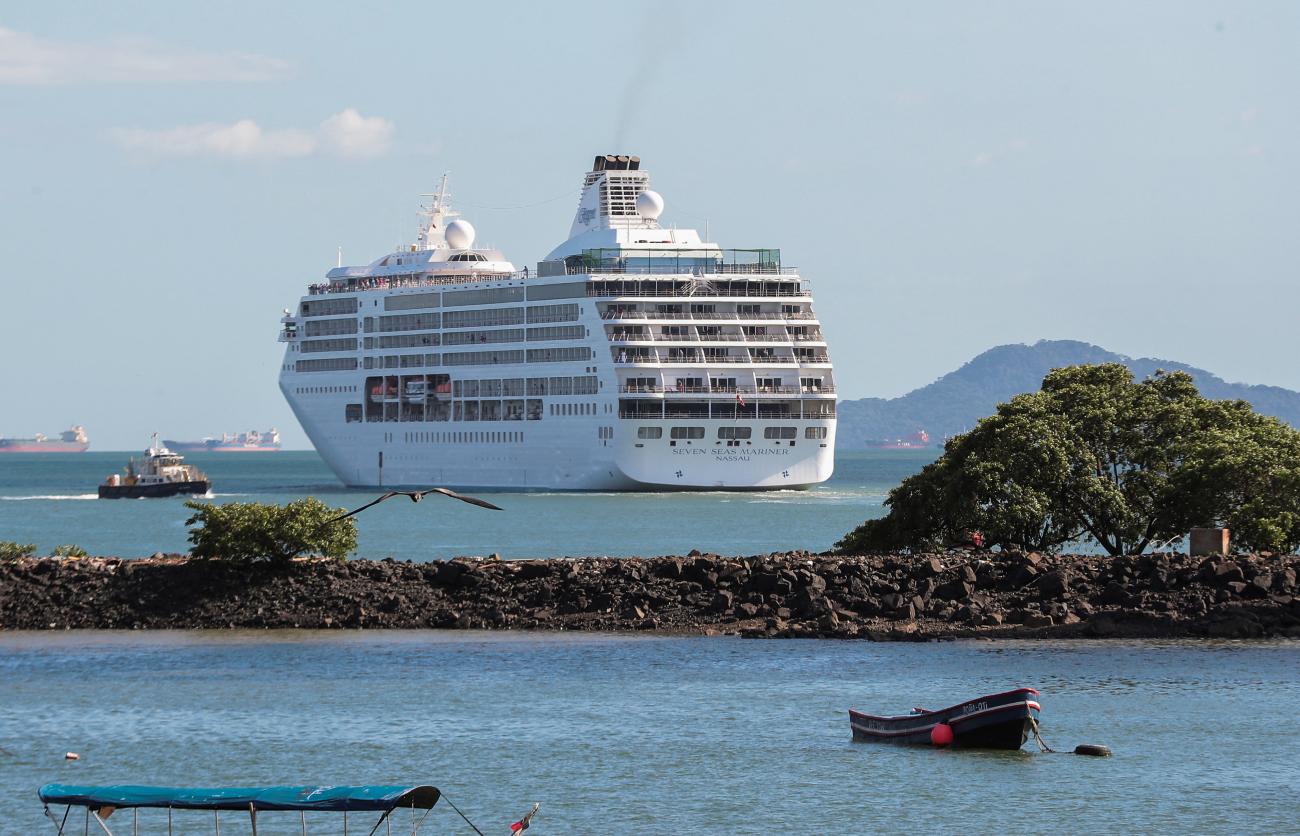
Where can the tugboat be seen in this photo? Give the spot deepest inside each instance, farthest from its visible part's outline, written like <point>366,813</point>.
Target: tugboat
<point>160,473</point>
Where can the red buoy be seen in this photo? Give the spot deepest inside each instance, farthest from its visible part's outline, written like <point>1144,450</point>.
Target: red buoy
<point>941,734</point>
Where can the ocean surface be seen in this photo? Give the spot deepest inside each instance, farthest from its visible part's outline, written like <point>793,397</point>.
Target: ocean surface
<point>653,735</point>
<point>50,500</point>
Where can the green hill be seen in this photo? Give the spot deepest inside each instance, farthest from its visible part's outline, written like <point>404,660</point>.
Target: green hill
<point>954,402</point>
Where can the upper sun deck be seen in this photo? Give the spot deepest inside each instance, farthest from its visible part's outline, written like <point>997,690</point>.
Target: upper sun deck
<point>615,243</point>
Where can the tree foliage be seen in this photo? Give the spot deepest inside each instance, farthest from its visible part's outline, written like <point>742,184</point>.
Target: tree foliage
<point>68,550</point>
<point>247,532</point>
<point>1095,454</point>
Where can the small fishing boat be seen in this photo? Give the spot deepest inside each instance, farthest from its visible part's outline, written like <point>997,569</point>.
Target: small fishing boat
<point>997,721</point>
<point>159,473</point>
<point>101,802</point>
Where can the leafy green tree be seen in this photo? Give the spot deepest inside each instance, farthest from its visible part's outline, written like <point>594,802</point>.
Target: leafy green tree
<point>247,532</point>
<point>1247,475</point>
<point>68,551</point>
<point>1095,454</point>
<point>9,550</point>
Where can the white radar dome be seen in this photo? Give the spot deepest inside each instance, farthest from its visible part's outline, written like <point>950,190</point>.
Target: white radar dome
<point>459,234</point>
<point>649,205</point>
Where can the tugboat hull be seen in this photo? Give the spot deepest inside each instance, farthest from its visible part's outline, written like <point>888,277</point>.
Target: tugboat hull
<point>997,721</point>
<point>153,491</point>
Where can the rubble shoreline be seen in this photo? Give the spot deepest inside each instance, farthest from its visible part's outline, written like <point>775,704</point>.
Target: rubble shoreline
<point>782,595</point>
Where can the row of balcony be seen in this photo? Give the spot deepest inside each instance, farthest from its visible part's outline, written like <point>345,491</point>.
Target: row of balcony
<point>645,337</point>
<point>824,389</point>
<point>707,316</point>
<point>630,358</point>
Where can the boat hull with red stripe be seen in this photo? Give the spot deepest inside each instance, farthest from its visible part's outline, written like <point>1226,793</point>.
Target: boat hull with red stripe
<point>996,721</point>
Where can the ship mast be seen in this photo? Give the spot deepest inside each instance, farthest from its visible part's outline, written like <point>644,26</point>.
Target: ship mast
<point>437,213</point>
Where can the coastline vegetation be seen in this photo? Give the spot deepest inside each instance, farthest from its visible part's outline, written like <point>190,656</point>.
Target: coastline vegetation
<point>9,550</point>
<point>1096,455</point>
<point>251,532</point>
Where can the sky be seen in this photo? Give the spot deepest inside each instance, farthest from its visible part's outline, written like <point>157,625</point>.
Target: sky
<point>950,176</point>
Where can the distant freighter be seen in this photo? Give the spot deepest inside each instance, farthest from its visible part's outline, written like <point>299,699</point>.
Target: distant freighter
<point>249,442</point>
<point>71,441</point>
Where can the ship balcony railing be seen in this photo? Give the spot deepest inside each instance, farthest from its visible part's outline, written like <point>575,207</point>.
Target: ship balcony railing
<point>288,335</point>
<point>679,269</point>
<point>626,360</point>
<point>631,338</point>
<point>400,281</point>
<point>649,315</point>
<point>766,338</point>
<point>697,293</point>
<point>813,358</point>
<point>808,338</point>
<point>711,316</point>
<point>727,412</point>
<point>658,389</point>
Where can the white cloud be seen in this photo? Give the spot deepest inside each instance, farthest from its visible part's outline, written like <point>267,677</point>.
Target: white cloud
<point>27,59</point>
<point>347,134</point>
<point>244,138</point>
<point>350,134</point>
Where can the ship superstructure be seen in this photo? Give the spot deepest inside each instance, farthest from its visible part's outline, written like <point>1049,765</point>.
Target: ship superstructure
<point>634,357</point>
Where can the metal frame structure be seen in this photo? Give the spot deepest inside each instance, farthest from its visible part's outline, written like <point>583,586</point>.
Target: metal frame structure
<point>100,803</point>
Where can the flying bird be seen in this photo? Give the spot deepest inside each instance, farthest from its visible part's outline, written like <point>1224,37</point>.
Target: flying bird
<point>416,496</point>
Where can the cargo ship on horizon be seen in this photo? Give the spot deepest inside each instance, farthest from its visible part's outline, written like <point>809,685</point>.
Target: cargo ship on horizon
<point>69,441</point>
<point>249,442</point>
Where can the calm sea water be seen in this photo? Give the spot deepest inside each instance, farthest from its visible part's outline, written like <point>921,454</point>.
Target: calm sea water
<point>658,735</point>
<point>50,500</point>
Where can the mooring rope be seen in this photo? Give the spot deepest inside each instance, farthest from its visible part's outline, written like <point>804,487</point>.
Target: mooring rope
<point>1038,737</point>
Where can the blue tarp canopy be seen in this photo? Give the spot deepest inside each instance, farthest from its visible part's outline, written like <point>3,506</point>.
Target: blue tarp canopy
<point>337,799</point>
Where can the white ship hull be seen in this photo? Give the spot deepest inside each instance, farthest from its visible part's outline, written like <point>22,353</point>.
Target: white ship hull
<point>529,455</point>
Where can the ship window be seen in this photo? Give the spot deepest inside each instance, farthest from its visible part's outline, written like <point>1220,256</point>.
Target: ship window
<point>815,432</point>
<point>649,432</point>
<point>734,432</point>
<point>780,432</point>
<point>352,413</point>
<point>687,432</point>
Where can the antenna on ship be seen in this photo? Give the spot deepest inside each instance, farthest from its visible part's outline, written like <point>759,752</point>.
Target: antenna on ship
<point>340,262</point>
<point>436,212</point>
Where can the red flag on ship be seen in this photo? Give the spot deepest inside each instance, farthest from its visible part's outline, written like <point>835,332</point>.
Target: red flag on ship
<point>522,825</point>
<point>740,399</point>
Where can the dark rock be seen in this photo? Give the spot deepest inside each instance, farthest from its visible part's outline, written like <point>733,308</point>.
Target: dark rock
<point>722,601</point>
<point>1039,620</point>
<point>1054,584</point>
<point>1226,572</point>
<point>534,569</point>
<point>956,590</point>
<point>1116,594</point>
<point>1260,585</point>
<point>764,582</point>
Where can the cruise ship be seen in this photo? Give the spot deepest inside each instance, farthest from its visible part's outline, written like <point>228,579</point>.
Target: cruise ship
<point>635,356</point>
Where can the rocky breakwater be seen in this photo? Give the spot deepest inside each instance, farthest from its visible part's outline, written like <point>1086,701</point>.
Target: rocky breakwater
<point>797,594</point>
